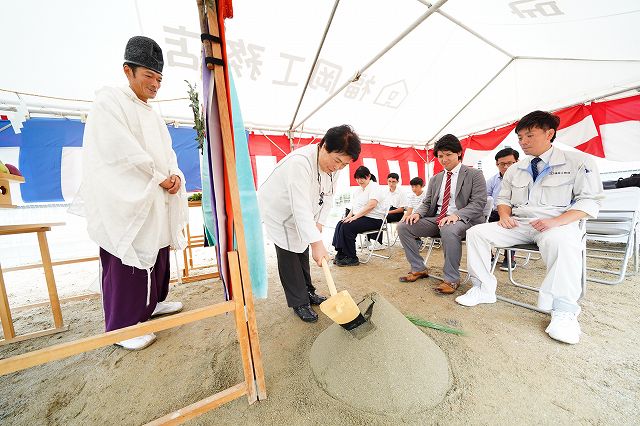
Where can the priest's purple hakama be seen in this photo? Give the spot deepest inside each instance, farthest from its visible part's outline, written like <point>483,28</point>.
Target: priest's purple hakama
<point>126,305</point>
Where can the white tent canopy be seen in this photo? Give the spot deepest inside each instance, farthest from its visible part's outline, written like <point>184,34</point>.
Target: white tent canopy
<point>525,54</point>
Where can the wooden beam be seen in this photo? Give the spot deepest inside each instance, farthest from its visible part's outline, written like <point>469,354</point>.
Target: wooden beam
<point>63,300</point>
<point>241,326</point>
<point>51,282</point>
<point>201,407</point>
<point>53,263</point>
<point>230,162</point>
<point>65,350</point>
<point>5,311</point>
<point>27,228</point>
<point>201,277</point>
<point>33,335</point>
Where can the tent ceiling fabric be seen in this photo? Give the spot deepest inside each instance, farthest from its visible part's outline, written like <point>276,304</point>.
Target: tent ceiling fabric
<point>70,49</point>
<point>412,91</point>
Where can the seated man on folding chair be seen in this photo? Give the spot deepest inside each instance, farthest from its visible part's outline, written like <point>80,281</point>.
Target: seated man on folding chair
<point>397,201</point>
<point>542,200</point>
<point>505,158</point>
<point>436,216</point>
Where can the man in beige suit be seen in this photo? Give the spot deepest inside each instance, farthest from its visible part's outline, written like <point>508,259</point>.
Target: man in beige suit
<point>455,201</point>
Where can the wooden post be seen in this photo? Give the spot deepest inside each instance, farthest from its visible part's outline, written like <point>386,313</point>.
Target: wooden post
<point>230,163</point>
<point>51,283</point>
<point>5,312</point>
<point>241,326</point>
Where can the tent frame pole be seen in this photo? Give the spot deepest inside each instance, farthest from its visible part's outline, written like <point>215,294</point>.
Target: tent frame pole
<point>617,92</point>
<point>313,65</point>
<point>471,100</point>
<point>359,72</point>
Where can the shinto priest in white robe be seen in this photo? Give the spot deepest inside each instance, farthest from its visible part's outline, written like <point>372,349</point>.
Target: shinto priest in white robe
<point>127,153</point>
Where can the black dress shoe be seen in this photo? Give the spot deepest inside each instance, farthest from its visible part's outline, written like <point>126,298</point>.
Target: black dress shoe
<point>348,261</point>
<point>305,313</point>
<point>316,299</point>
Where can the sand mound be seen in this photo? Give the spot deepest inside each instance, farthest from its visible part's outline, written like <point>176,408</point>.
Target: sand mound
<point>392,369</point>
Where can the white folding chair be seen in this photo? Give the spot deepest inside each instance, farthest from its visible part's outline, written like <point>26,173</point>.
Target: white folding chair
<point>533,249</point>
<point>615,227</point>
<point>367,251</point>
<point>437,241</point>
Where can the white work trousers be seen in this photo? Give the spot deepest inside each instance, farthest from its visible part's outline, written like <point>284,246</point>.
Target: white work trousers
<point>561,250</point>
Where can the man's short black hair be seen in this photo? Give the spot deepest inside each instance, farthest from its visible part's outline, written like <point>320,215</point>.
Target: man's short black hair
<point>416,181</point>
<point>540,119</point>
<point>448,143</point>
<point>133,67</point>
<point>507,152</point>
<point>393,176</point>
<point>343,140</point>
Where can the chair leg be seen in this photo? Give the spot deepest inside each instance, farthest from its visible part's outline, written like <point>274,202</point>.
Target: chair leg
<point>621,273</point>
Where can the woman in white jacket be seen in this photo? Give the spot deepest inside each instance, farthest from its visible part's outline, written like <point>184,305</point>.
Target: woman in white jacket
<point>368,210</point>
<point>295,201</point>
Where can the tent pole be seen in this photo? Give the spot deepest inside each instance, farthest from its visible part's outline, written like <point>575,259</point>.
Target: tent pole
<point>359,72</point>
<point>617,92</point>
<point>543,58</point>
<point>469,30</point>
<point>471,100</point>
<point>315,61</point>
<point>320,133</point>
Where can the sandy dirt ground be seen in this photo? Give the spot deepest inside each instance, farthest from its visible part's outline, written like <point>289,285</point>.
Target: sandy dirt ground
<point>505,369</point>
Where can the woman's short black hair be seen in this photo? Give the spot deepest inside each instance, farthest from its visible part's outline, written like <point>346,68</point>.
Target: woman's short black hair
<point>507,152</point>
<point>540,119</point>
<point>342,139</point>
<point>416,181</point>
<point>393,175</point>
<point>448,143</point>
<point>363,172</point>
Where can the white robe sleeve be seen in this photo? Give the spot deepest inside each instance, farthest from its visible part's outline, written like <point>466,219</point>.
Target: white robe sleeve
<point>120,181</point>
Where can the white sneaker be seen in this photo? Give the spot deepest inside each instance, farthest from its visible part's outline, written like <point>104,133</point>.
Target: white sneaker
<point>165,308</point>
<point>564,327</point>
<point>475,296</point>
<point>138,343</point>
<point>377,246</point>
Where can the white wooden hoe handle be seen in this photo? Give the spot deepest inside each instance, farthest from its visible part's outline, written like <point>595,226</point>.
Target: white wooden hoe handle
<point>328,277</point>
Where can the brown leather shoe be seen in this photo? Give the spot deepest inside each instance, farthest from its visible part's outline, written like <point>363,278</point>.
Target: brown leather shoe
<point>414,276</point>
<point>447,287</point>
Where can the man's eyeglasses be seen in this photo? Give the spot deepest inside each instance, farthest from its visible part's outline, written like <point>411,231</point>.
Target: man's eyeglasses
<point>509,164</point>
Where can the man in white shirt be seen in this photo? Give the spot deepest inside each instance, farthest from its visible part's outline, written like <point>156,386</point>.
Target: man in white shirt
<point>415,199</point>
<point>505,158</point>
<point>542,200</point>
<point>132,194</point>
<point>417,195</point>
<point>396,199</point>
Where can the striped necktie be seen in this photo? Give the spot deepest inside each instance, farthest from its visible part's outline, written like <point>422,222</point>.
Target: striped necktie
<point>534,167</point>
<point>445,198</point>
